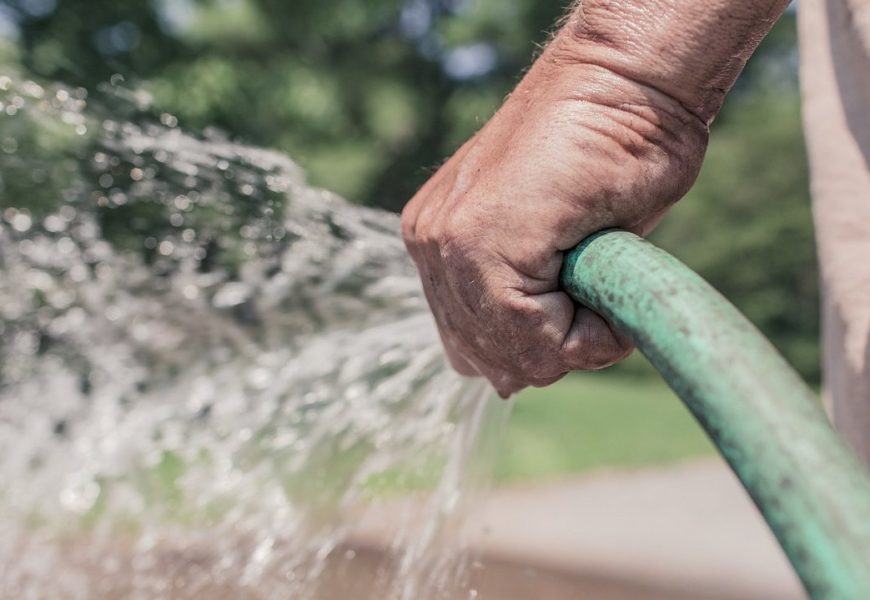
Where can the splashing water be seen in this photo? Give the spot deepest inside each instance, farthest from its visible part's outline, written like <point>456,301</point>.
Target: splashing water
<point>210,373</point>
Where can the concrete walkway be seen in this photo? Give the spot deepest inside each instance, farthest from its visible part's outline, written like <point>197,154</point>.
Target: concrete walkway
<point>688,528</point>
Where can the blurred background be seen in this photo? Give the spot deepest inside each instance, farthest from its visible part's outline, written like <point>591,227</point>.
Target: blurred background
<point>369,96</point>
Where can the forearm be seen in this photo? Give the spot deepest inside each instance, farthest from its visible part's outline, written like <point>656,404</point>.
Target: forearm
<point>691,50</point>
<point>607,129</point>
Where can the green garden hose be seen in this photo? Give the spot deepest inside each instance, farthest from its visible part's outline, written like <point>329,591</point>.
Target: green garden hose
<point>766,422</point>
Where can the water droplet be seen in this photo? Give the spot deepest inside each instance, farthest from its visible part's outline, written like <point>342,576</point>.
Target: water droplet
<point>54,223</point>
<point>168,120</point>
<point>80,496</point>
<point>9,145</point>
<point>190,291</point>
<point>231,294</point>
<point>21,222</point>
<point>65,245</point>
<point>78,273</point>
<point>31,88</point>
<point>259,377</point>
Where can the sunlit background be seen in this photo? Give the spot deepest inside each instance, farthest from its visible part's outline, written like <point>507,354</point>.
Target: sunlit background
<point>369,96</point>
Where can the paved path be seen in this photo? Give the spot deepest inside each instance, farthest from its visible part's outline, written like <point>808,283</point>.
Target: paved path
<point>690,528</point>
<point>687,531</point>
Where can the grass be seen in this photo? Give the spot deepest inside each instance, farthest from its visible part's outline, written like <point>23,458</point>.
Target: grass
<point>623,418</point>
<point>597,420</point>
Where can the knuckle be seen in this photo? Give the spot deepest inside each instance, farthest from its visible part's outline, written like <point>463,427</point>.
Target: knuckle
<point>599,361</point>
<point>455,235</point>
<point>420,224</point>
<point>535,364</point>
<point>526,367</point>
<point>626,349</point>
<point>409,231</point>
<point>607,358</point>
<point>430,230</point>
<point>408,223</point>
<point>571,346</point>
<point>594,355</point>
<point>546,381</point>
<point>409,213</point>
<point>526,314</point>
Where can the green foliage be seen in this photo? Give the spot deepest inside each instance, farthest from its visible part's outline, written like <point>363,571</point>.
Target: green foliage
<point>593,420</point>
<point>355,91</point>
<point>747,224</point>
<point>26,141</point>
<point>367,97</point>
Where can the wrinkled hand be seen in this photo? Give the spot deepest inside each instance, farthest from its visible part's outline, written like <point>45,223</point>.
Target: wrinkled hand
<point>576,148</point>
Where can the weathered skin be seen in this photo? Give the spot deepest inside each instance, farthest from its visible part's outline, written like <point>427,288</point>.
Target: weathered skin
<point>835,57</point>
<point>608,129</point>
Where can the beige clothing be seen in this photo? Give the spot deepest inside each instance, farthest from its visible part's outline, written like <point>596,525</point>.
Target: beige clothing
<point>835,80</point>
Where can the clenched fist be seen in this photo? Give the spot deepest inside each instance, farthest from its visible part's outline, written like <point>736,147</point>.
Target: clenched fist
<point>578,147</point>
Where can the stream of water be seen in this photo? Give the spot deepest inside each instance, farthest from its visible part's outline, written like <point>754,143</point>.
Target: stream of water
<point>212,374</point>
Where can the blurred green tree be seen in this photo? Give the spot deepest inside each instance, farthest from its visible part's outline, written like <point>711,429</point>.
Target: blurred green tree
<point>365,95</point>
<point>747,226</point>
<point>368,96</point>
